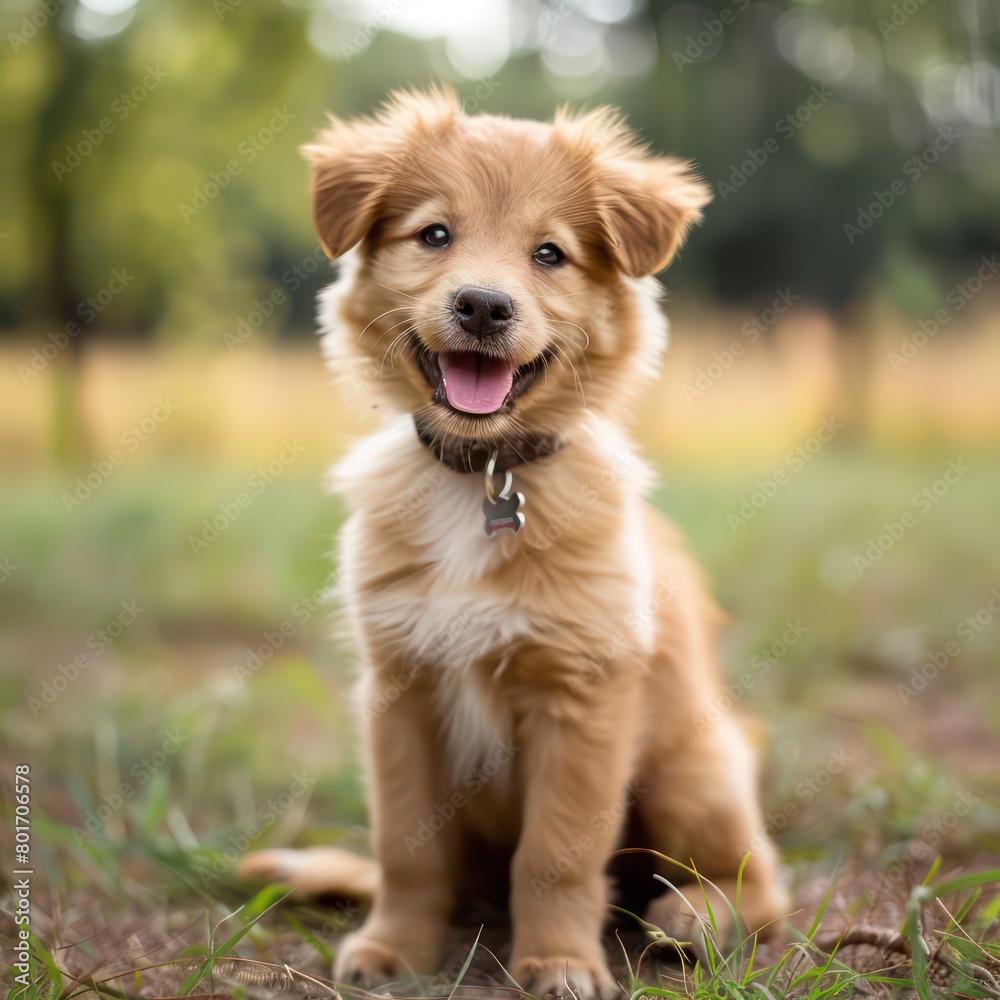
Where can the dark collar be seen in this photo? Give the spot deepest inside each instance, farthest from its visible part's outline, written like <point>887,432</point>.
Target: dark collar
<point>462,455</point>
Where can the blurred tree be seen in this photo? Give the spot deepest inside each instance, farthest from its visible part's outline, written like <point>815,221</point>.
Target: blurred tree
<point>802,115</point>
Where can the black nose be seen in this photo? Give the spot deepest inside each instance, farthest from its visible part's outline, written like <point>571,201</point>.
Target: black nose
<point>482,311</point>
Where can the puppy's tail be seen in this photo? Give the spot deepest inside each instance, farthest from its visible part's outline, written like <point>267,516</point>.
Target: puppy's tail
<point>313,871</point>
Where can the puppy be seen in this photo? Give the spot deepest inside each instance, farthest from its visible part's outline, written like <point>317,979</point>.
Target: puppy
<point>537,671</point>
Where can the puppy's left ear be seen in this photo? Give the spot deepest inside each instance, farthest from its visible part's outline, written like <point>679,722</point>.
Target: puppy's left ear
<point>647,205</point>
<point>348,177</point>
<point>355,162</point>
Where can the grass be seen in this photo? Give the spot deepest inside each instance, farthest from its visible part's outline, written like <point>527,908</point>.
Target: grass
<point>173,749</point>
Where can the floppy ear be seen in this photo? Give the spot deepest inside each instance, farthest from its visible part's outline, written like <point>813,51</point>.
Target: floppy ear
<point>346,182</point>
<point>354,162</point>
<point>646,206</point>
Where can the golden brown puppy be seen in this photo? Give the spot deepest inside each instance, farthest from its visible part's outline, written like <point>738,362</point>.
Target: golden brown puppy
<point>547,690</point>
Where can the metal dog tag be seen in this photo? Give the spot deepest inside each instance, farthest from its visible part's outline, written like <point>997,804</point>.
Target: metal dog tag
<point>503,511</point>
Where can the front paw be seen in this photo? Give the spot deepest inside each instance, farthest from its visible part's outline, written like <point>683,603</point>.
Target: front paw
<point>566,978</point>
<point>368,963</point>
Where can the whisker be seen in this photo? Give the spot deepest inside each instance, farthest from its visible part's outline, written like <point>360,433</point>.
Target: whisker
<point>397,291</point>
<point>380,316</point>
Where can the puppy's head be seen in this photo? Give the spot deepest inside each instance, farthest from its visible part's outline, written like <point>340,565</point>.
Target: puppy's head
<point>492,290</point>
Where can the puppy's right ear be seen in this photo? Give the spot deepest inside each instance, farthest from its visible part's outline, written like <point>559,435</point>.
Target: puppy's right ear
<point>348,178</point>
<point>354,163</point>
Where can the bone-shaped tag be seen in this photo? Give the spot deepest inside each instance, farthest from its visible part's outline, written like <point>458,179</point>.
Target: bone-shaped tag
<point>504,512</point>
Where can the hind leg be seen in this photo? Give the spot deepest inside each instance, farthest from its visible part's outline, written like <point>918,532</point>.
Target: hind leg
<point>701,809</point>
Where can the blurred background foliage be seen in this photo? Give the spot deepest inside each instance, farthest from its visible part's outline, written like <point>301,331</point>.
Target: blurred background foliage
<point>710,82</point>
<point>154,201</point>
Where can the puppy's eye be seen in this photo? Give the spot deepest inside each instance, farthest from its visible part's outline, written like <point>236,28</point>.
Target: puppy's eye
<point>436,235</point>
<point>549,253</point>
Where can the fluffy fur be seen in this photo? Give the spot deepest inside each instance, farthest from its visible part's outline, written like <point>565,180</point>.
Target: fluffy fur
<point>544,693</point>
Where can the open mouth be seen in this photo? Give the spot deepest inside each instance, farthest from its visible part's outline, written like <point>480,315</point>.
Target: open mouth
<point>477,384</point>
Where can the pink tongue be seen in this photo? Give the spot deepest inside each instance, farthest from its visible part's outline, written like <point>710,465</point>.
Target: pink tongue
<point>474,383</point>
